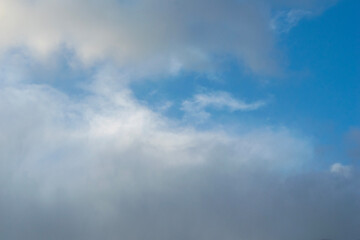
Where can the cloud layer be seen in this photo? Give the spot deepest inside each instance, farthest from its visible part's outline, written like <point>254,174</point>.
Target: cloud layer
<point>148,36</point>
<point>106,167</point>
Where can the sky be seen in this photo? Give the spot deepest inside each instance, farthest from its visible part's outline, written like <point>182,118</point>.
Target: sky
<point>179,119</point>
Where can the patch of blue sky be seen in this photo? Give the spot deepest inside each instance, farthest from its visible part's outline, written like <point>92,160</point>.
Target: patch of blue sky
<point>318,94</point>
<point>323,96</point>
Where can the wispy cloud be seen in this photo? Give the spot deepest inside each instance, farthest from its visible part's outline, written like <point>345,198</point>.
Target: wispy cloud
<point>284,21</point>
<point>200,103</point>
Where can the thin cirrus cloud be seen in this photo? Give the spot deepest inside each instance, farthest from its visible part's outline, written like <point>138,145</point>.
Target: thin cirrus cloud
<point>200,103</point>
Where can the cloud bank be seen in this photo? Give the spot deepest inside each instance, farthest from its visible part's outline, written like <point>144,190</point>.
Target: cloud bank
<point>149,36</point>
<point>106,167</point>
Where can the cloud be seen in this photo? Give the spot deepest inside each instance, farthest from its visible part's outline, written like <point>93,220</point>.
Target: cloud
<point>219,100</point>
<point>352,144</point>
<point>145,36</point>
<point>340,169</point>
<point>284,21</point>
<point>103,166</point>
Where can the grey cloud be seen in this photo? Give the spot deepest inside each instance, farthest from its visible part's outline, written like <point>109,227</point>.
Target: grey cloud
<point>106,167</point>
<point>146,37</point>
<point>341,169</point>
<point>352,144</point>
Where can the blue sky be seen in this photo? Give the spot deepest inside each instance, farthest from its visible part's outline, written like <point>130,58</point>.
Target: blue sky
<point>168,119</point>
<point>317,94</point>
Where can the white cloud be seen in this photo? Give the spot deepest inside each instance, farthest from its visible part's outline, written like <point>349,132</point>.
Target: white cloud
<point>219,100</point>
